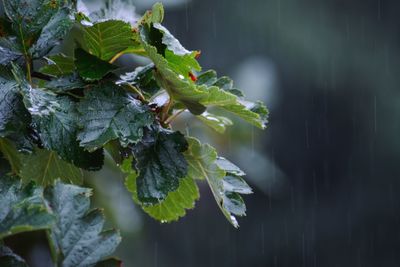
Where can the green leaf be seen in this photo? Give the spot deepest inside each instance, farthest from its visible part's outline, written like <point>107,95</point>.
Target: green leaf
<point>109,113</point>
<point>106,39</point>
<point>155,15</point>
<point>252,112</point>
<point>58,65</point>
<point>14,118</point>
<point>9,259</point>
<point>110,263</point>
<point>77,237</point>
<point>44,167</point>
<point>142,78</point>
<point>22,208</point>
<point>90,67</point>
<point>65,83</point>
<point>222,176</point>
<point>56,28</point>
<point>174,205</point>
<point>11,154</point>
<point>9,50</point>
<point>218,123</point>
<point>160,163</point>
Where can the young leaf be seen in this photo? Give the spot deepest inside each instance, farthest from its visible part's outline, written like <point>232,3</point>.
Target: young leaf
<point>160,163</point>
<point>22,208</point>
<point>9,259</point>
<point>225,186</point>
<point>108,38</point>
<point>11,154</point>
<point>58,65</point>
<point>109,113</point>
<point>45,166</point>
<point>90,67</point>
<point>174,205</point>
<point>77,237</point>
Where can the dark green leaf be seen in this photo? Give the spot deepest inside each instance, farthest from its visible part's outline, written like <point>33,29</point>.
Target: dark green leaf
<point>44,167</point>
<point>160,163</point>
<point>22,208</point>
<point>11,154</point>
<point>77,237</point>
<point>110,263</point>
<point>58,65</point>
<point>9,259</point>
<point>142,78</point>
<point>9,50</point>
<point>90,67</point>
<point>65,83</point>
<point>175,204</point>
<point>108,113</point>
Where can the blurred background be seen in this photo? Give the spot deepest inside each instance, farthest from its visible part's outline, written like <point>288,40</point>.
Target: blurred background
<point>325,173</point>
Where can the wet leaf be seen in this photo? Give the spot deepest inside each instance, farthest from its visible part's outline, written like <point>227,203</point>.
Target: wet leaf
<point>9,259</point>
<point>90,67</point>
<point>58,65</point>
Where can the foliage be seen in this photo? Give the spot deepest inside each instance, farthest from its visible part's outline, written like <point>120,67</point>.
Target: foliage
<point>58,113</point>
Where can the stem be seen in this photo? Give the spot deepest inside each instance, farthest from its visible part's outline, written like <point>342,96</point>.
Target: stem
<point>172,117</point>
<point>136,90</point>
<point>139,52</point>
<point>165,110</point>
<point>26,55</point>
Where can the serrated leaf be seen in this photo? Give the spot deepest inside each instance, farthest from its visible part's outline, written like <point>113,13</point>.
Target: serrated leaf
<point>56,28</point>
<point>160,163</point>
<point>65,83</point>
<point>14,118</point>
<point>44,167</point>
<point>155,15</point>
<point>90,67</point>
<point>78,238</point>
<point>174,206</point>
<point>9,259</point>
<point>10,153</point>
<point>108,38</point>
<point>9,50</point>
<point>22,208</point>
<point>142,78</point>
<point>58,65</point>
<point>218,123</point>
<point>225,186</point>
<point>109,113</point>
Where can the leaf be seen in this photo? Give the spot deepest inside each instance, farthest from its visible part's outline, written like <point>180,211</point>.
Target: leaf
<point>57,27</point>
<point>44,167</point>
<point>218,123</point>
<point>90,67</point>
<point>155,15</point>
<point>58,131</point>
<point>160,163</point>
<point>11,154</point>
<point>142,78</point>
<point>222,176</point>
<point>44,21</point>
<point>77,237</point>
<point>9,259</point>
<point>65,83</point>
<point>109,113</point>
<point>9,50</point>
<point>58,65</point>
<point>110,263</point>
<point>14,118</point>
<point>174,205</point>
<point>106,39</point>
<point>22,208</point>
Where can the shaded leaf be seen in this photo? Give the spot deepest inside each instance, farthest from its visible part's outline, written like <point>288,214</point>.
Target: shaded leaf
<point>174,205</point>
<point>109,263</point>
<point>108,113</point>
<point>90,67</point>
<point>58,65</point>
<point>44,167</point>
<point>65,83</point>
<point>77,237</point>
<point>160,163</point>
<point>218,123</point>
<point>142,78</point>
<point>9,259</point>
<point>22,208</point>
<point>11,154</point>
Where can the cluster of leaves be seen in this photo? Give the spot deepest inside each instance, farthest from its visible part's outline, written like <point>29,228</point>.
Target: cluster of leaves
<point>60,113</point>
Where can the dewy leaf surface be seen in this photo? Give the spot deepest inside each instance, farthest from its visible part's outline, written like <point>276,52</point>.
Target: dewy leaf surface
<point>108,113</point>
<point>58,65</point>
<point>160,163</point>
<point>90,67</point>
<point>77,237</point>
<point>22,208</point>
<point>174,205</point>
<point>9,50</point>
<point>45,167</point>
<point>225,186</point>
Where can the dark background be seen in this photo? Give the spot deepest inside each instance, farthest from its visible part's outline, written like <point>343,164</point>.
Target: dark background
<point>325,173</point>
